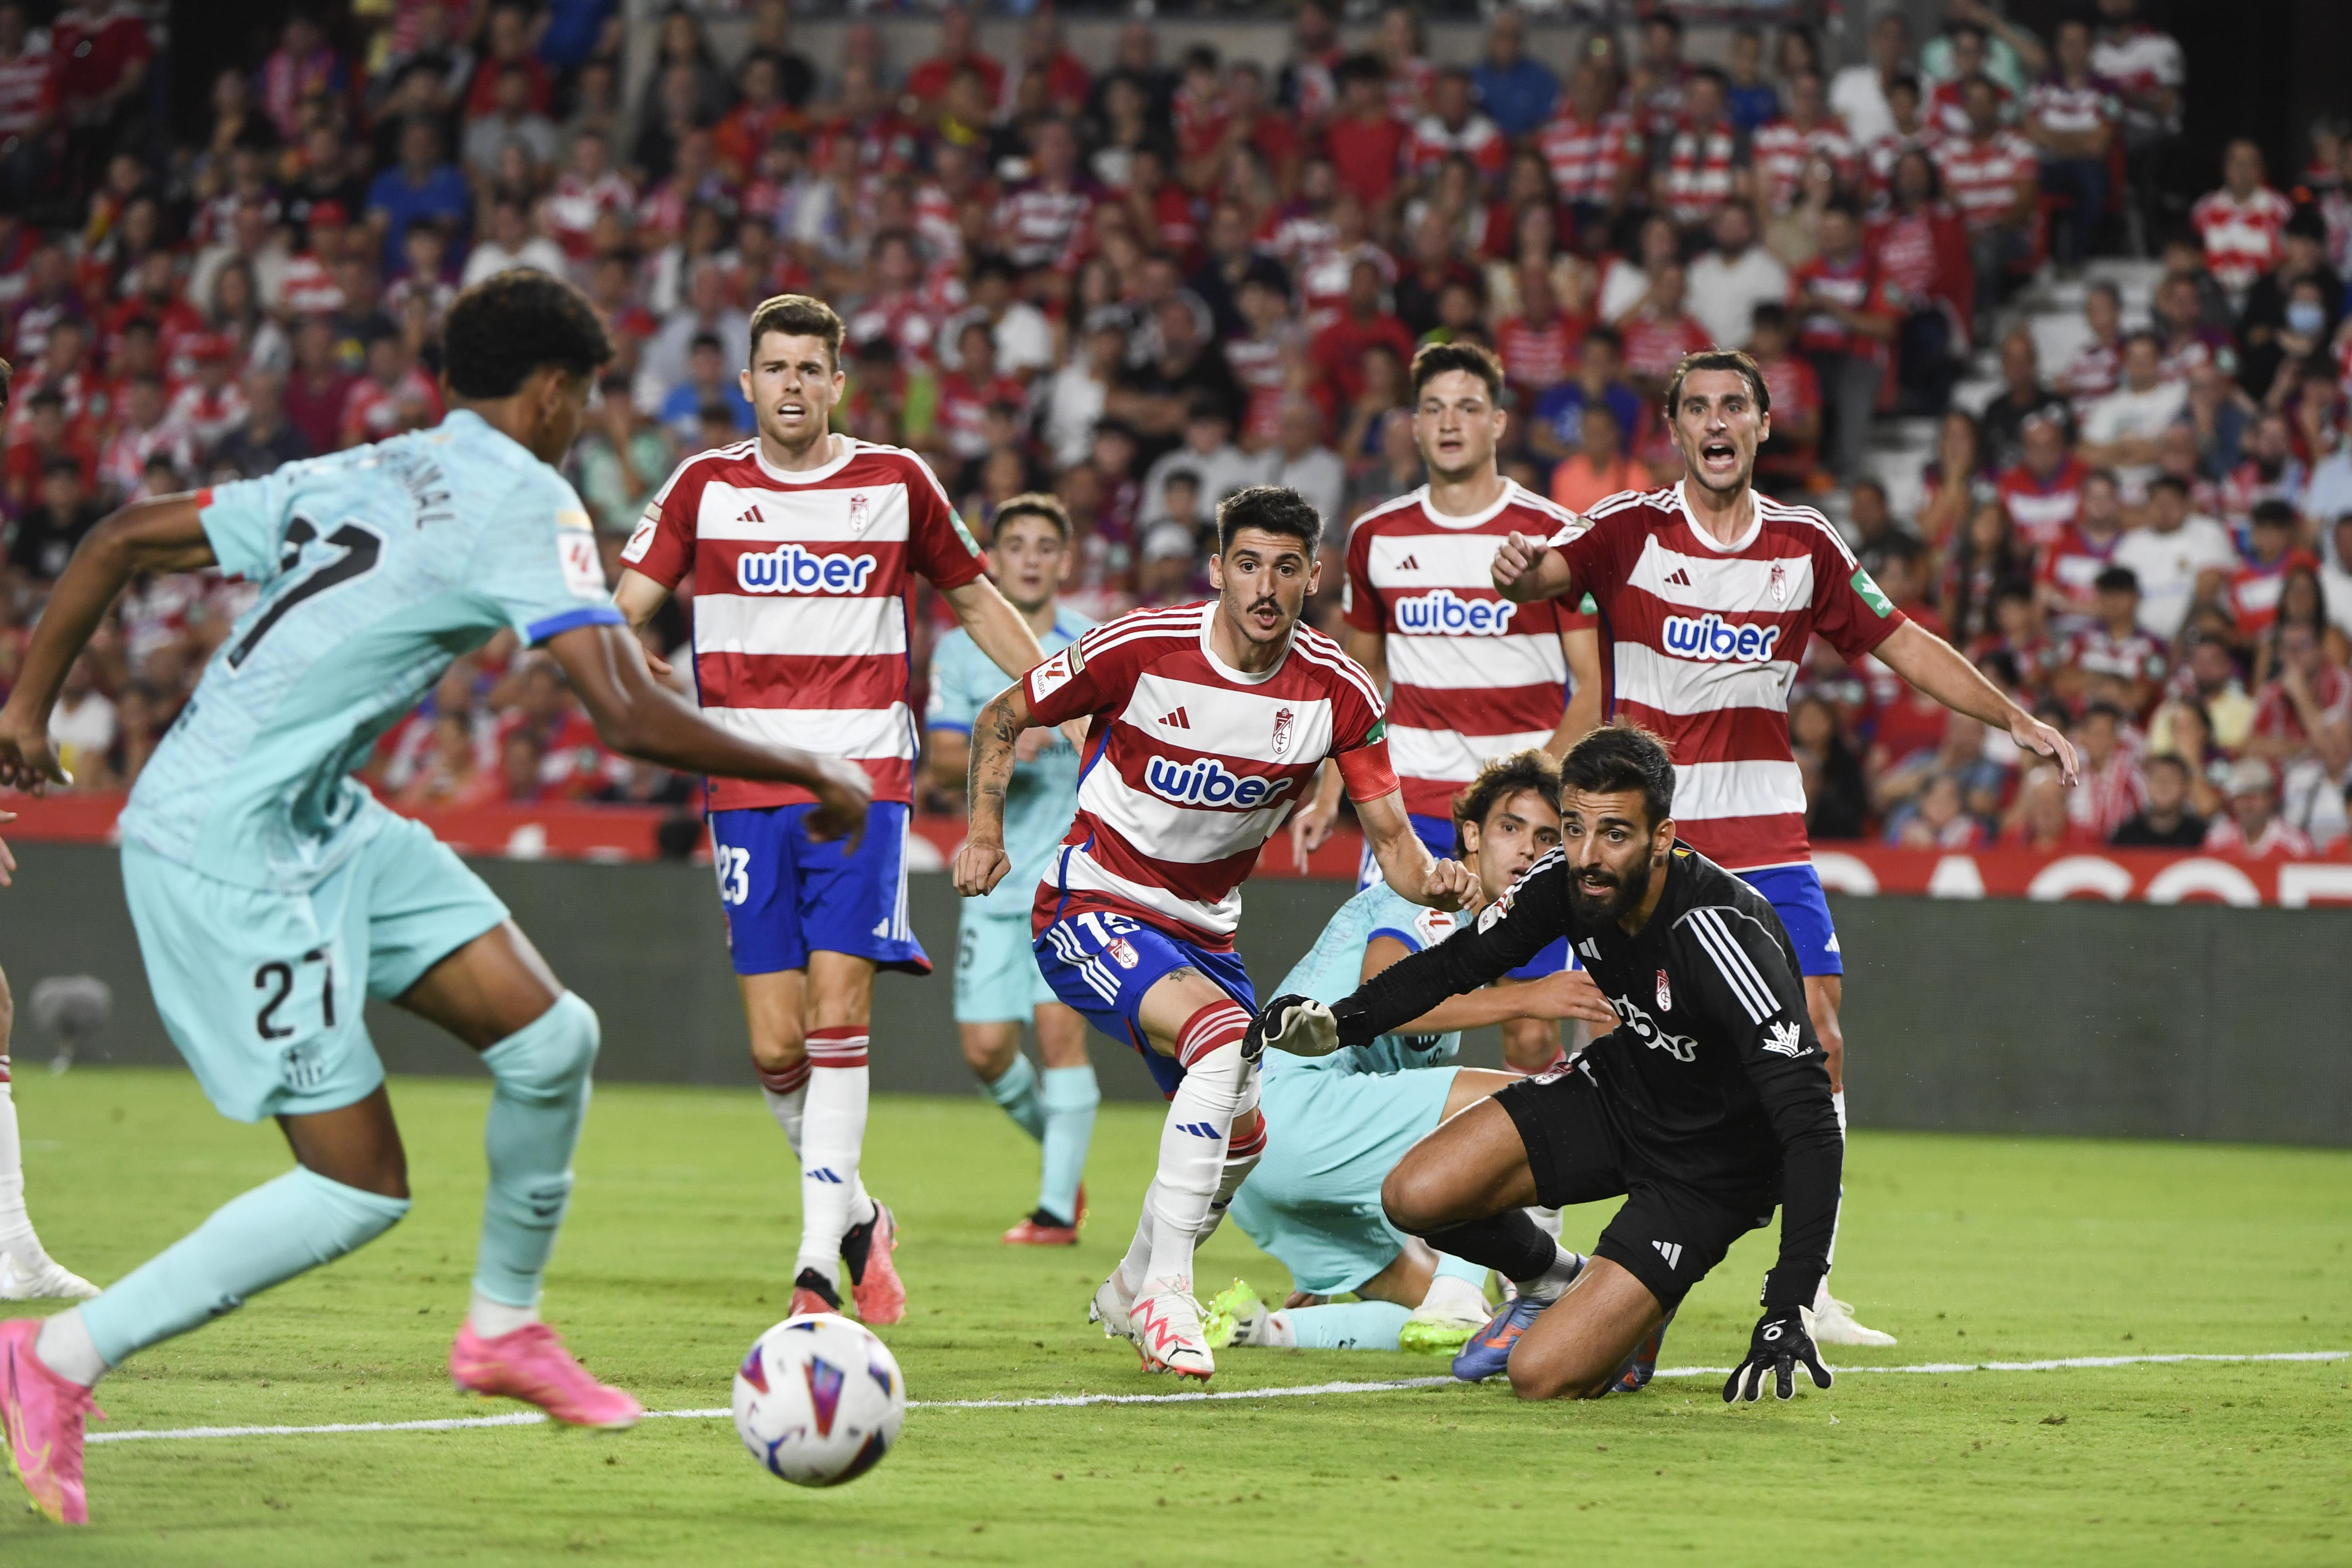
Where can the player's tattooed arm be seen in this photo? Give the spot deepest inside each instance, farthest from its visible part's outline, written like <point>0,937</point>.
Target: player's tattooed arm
<point>159,535</point>
<point>982,863</point>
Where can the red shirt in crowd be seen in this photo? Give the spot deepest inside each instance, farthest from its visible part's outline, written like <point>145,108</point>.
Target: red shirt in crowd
<point>1338,349</point>
<point>1364,154</point>
<point>2042,509</point>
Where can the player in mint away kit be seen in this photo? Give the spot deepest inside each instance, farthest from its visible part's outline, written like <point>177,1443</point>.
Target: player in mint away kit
<point>273,896</point>
<point>1345,1119</point>
<point>1707,1107</point>
<point>1709,594</point>
<point>997,985</point>
<point>1205,721</point>
<point>805,546</point>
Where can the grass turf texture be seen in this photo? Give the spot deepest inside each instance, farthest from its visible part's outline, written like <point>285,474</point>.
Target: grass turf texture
<point>679,1250</point>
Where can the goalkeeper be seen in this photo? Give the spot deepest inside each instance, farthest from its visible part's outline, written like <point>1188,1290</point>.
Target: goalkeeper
<point>1707,1107</point>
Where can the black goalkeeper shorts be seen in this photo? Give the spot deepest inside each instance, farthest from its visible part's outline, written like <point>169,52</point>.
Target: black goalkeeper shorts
<point>1667,1234</point>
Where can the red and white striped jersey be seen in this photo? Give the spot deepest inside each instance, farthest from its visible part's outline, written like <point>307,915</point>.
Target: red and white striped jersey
<point>1586,156</point>
<point>1040,225</point>
<point>28,86</point>
<point>1191,765</point>
<point>1471,676</point>
<point>1779,152</point>
<point>1702,171</point>
<point>801,588</point>
<point>1701,642</point>
<point>1433,141</point>
<point>1980,177</point>
<point>2243,239</point>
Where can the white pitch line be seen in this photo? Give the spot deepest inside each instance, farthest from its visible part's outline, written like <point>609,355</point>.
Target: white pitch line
<point>1065,1401</point>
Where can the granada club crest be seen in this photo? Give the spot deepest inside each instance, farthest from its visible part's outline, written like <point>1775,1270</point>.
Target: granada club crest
<point>1122,952</point>
<point>857,519</point>
<point>1665,994</point>
<point>1283,719</point>
<point>1779,583</point>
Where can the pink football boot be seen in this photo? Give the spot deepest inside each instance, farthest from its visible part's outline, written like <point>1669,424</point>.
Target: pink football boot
<point>42,1415</point>
<point>531,1364</point>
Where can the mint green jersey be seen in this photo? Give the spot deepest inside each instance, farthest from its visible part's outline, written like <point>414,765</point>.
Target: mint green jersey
<point>1043,795</point>
<point>378,566</point>
<point>1334,967</point>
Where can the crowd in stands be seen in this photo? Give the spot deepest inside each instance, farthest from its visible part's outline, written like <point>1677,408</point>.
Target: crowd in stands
<point>1143,285</point>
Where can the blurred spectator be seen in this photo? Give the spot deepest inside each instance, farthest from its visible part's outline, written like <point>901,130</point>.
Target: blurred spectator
<point>2307,697</point>
<point>2073,116</point>
<point>2253,828</point>
<point>2120,431</point>
<point>510,121</point>
<point>622,458</point>
<point>2098,367</point>
<point>2022,394</point>
<point>2166,820</point>
<point>1858,92</point>
<point>709,379</point>
<point>1599,467</point>
<point>83,727</point>
<point>1837,797</point>
<point>2242,224</point>
<point>420,186</point>
<point>2180,559</point>
<point>1301,461</point>
<point>2312,801</point>
<point>43,540</point>
<point>1728,282</point>
<point>1846,324</point>
<point>261,443</point>
<point>511,243</point>
<point>1516,92</point>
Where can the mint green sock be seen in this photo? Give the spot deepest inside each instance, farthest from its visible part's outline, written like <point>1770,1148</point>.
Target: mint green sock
<point>260,1238</point>
<point>541,1098</point>
<point>1015,1089</point>
<point>1448,1263</point>
<point>1070,1097</point>
<point>1348,1326</point>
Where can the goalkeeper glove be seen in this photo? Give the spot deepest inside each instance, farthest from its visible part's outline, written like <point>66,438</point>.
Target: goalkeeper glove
<point>1295,1024</point>
<point>1779,1345</point>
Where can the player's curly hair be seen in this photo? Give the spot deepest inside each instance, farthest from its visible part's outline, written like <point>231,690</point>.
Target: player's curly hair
<point>1273,508</point>
<point>1619,757</point>
<point>1500,779</point>
<point>510,325</point>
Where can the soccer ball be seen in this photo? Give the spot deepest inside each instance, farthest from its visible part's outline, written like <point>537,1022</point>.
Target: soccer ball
<point>819,1400</point>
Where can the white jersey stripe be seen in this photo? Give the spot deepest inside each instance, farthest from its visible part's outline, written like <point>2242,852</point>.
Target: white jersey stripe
<point>1180,834</point>
<point>854,733</point>
<point>1432,560</point>
<point>1321,650</point>
<point>1774,510</point>
<point>1686,687</point>
<point>1227,723</point>
<point>1733,585</point>
<point>1451,755</point>
<point>797,624</point>
<point>1754,996</point>
<point>1703,790</point>
<point>1080,873</point>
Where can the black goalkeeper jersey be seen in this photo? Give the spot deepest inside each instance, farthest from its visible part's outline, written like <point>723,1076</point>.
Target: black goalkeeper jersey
<point>1713,1077</point>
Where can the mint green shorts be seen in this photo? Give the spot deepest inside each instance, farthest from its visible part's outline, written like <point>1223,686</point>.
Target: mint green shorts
<point>265,992</point>
<point>996,975</point>
<point>1331,1138</point>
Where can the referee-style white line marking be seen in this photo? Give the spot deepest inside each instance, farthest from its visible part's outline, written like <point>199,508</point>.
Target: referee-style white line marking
<point>1065,1401</point>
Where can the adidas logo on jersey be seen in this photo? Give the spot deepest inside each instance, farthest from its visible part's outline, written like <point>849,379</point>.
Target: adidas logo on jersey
<point>751,514</point>
<point>1444,612</point>
<point>1679,578</point>
<point>1209,782</point>
<point>1710,637</point>
<point>1408,565</point>
<point>1672,1251</point>
<point>789,569</point>
<point>1176,720</point>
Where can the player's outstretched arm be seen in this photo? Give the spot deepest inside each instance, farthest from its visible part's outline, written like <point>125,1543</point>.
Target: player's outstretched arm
<point>1526,569</point>
<point>159,535</point>
<point>982,863</point>
<point>636,715</point>
<point>1004,637</point>
<point>1937,668</point>
<point>1405,861</point>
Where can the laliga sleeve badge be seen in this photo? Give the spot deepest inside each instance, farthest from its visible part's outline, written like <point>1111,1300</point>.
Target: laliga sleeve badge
<point>1665,994</point>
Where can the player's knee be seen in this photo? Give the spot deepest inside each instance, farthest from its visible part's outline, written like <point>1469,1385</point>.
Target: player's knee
<point>989,1051</point>
<point>551,1057</point>
<point>779,1044</point>
<point>1411,1199</point>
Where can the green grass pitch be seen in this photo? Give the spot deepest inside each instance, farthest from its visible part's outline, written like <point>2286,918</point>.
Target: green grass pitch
<point>679,1250</point>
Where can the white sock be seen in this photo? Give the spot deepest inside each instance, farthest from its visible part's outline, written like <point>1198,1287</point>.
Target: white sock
<point>1552,1281</point>
<point>1828,1258</point>
<point>15,1223</point>
<point>1192,1140</point>
<point>833,1132</point>
<point>490,1318</point>
<point>789,1106</point>
<point>1131,1268</point>
<point>66,1348</point>
<point>1240,1161</point>
<point>1277,1333</point>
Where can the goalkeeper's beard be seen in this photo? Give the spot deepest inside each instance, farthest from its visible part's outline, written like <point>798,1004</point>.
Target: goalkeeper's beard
<point>1623,895</point>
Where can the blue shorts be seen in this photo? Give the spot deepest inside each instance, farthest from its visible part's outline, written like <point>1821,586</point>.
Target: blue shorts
<point>1436,833</point>
<point>1102,965</point>
<point>996,978</point>
<point>1332,1138</point>
<point>1795,892</point>
<point>265,992</point>
<point>785,893</point>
